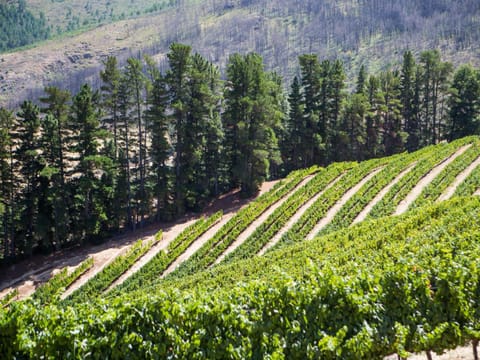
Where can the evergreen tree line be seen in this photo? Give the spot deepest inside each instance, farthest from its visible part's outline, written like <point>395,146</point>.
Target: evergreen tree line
<point>19,27</point>
<point>149,146</point>
<point>421,102</point>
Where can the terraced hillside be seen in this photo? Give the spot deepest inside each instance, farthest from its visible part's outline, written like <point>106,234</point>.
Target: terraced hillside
<point>352,261</point>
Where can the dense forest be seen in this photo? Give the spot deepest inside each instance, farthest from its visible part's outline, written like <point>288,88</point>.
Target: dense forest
<point>151,145</point>
<point>18,27</point>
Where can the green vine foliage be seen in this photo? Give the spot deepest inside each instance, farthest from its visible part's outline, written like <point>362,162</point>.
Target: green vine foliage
<point>347,295</point>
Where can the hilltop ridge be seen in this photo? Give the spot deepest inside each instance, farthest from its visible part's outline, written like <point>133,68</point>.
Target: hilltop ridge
<point>371,33</point>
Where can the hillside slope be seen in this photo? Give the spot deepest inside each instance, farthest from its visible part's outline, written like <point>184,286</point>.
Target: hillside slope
<point>404,280</point>
<point>348,295</point>
<point>374,33</point>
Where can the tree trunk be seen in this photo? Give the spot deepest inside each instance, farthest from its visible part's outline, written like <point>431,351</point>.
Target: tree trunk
<point>429,355</point>
<point>475,349</point>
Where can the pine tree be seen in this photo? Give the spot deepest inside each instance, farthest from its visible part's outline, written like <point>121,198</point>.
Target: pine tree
<point>295,130</point>
<point>373,120</point>
<point>315,127</point>
<point>177,80</point>
<point>206,100</point>
<point>111,76</point>
<point>464,103</point>
<point>390,107</point>
<point>248,113</point>
<point>57,105</point>
<point>160,149</point>
<point>334,80</point>
<point>55,202</point>
<point>352,133</point>
<point>124,188</point>
<point>7,186</point>
<point>136,80</point>
<point>435,75</point>
<point>361,80</point>
<point>29,162</point>
<point>407,96</point>
<point>90,214</point>
<point>53,195</point>
<point>213,153</point>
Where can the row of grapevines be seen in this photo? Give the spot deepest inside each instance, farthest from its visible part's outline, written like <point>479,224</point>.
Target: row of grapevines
<point>8,297</point>
<point>470,185</point>
<point>215,246</point>
<point>320,207</point>
<point>362,198</point>
<point>162,260</point>
<point>371,243</point>
<point>425,298</point>
<point>423,230</point>
<point>51,290</point>
<point>274,223</point>
<point>435,189</point>
<point>399,191</point>
<point>102,280</point>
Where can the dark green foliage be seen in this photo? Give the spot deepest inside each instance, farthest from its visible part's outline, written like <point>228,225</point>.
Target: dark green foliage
<point>390,113</point>
<point>314,134</point>
<point>179,60</point>
<point>18,27</point>
<point>110,102</point>
<point>136,81</point>
<point>465,103</point>
<point>409,101</point>
<point>54,199</point>
<point>29,166</point>
<point>292,142</point>
<point>352,132</point>
<point>93,169</point>
<point>250,117</point>
<point>7,185</point>
<point>434,76</point>
<point>160,150</point>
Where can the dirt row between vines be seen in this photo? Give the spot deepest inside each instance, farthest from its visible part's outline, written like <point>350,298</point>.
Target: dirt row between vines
<point>28,275</point>
<point>261,219</point>
<point>427,179</point>
<point>297,217</point>
<point>340,203</point>
<point>202,240</point>
<point>169,235</point>
<point>167,238</point>
<point>458,180</point>
<point>460,353</point>
<point>366,210</point>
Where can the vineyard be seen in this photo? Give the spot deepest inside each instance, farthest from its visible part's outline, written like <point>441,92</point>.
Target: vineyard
<point>351,261</point>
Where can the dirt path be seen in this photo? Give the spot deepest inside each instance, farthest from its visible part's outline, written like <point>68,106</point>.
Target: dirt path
<point>296,217</point>
<point>448,193</point>
<point>168,237</point>
<point>29,274</point>
<point>426,180</point>
<point>364,213</point>
<point>260,220</point>
<point>477,193</point>
<point>340,203</point>
<point>100,261</point>
<point>460,353</point>
<point>197,244</point>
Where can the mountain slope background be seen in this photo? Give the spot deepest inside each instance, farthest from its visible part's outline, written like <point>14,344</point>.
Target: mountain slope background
<point>371,33</point>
